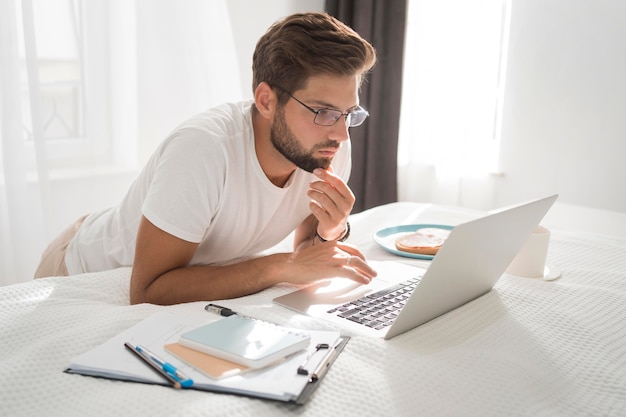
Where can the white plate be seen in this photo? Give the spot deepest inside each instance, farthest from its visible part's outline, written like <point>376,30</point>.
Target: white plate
<point>386,238</point>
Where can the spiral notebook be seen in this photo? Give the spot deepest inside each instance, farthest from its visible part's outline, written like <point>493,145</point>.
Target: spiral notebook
<point>245,340</point>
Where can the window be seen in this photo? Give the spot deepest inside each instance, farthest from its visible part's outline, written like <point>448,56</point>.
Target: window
<point>454,67</point>
<point>63,55</point>
<point>58,63</point>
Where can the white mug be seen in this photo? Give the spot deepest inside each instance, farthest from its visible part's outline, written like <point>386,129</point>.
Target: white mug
<point>531,259</point>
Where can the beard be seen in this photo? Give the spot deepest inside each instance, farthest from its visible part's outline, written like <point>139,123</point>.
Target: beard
<point>287,144</point>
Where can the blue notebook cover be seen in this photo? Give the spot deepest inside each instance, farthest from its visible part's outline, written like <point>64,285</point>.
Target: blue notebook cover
<point>244,340</point>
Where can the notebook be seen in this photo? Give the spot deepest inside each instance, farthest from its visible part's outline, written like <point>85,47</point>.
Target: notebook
<point>246,341</point>
<point>468,265</point>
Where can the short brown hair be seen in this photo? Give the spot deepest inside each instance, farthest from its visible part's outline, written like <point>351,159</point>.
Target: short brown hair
<point>308,44</point>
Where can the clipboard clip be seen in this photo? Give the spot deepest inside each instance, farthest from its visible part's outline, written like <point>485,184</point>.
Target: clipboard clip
<point>322,366</point>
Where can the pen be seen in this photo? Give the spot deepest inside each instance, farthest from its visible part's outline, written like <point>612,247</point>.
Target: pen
<point>325,364</point>
<point>169,371</point>
<point>222,311</point>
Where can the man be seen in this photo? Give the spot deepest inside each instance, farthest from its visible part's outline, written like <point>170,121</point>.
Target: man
<point>235,180</point>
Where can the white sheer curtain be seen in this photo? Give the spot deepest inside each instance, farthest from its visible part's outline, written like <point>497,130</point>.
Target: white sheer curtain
<point>143,66</point>
<point>449,130</point>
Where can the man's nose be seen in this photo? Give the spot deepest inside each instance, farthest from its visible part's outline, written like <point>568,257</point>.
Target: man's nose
<point>340,130</point>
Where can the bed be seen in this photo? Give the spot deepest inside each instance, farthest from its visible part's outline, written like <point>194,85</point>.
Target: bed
<point>527,348</point>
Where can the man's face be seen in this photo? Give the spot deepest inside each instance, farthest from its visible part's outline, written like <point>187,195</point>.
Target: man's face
<point>293,132</point>
<point>288,145</point>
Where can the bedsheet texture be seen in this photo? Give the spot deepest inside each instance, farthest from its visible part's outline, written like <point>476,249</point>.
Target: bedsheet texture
<point>527,348</point>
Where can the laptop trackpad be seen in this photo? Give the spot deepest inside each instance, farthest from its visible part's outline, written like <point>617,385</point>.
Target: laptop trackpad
<point>320,297</point>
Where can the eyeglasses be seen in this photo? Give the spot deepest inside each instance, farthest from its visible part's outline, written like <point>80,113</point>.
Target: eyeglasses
<point>328,117</point>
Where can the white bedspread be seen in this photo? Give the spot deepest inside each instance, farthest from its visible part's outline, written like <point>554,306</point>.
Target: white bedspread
<point>528,348</point>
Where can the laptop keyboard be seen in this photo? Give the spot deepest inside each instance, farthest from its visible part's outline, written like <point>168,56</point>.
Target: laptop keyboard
<point>380,309</point>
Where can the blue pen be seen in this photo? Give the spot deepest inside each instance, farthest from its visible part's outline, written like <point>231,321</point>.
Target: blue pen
<point>169,371</point>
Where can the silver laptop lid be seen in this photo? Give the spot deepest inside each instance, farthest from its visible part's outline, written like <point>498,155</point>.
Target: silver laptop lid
<point>470,262</point>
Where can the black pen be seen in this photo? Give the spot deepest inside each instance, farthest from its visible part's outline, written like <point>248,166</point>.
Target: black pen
<point>222,311</point>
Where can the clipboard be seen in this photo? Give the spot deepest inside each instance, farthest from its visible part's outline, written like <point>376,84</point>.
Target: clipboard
<point>279,382</point>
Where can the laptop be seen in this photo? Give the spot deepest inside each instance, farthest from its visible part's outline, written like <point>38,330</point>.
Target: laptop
<point>467,265</point>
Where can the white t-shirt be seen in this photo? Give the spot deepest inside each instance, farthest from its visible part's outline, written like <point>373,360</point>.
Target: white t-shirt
<point>204,184</point>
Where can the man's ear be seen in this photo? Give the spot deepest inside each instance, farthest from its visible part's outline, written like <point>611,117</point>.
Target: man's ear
<point>265,100</point>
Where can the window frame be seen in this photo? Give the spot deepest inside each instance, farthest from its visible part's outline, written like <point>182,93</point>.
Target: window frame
<point>104,47</point>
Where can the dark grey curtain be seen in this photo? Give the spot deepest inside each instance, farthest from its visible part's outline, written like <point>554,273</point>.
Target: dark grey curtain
<point>375,143</point>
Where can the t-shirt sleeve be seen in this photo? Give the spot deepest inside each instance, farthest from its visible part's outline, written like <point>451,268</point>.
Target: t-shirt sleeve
<point>185,188</point>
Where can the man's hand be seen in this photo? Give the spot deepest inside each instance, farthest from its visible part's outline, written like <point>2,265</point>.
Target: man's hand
<point>331,204</point>
<point>328,260</point>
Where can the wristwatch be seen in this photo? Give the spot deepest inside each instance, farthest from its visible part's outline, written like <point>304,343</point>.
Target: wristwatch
<point>343,238</point>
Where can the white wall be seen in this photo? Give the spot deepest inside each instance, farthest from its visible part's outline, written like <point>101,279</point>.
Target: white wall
<point>251,18</point>
<point>564,120</point>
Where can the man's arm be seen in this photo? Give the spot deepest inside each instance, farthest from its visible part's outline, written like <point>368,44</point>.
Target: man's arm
<point>161,273</point>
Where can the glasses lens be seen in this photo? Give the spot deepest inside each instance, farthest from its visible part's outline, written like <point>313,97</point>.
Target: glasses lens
<point>357,117</point>
<point>327,117</point>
